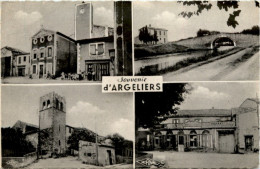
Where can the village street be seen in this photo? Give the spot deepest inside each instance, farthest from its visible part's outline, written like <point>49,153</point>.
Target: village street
<point>206,160</point>
<point>69,162</point>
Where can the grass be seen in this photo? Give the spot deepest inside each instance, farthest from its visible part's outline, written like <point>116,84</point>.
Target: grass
<point>246,56</point>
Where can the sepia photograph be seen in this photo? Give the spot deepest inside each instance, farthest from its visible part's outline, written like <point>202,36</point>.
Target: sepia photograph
<point>198,125</point>
<point>66,127</point>
<point>197,40</point>
<point>65,42</point>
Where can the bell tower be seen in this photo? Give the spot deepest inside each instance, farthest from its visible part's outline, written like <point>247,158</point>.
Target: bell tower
<point>52,123</point>
<point>83,21</point>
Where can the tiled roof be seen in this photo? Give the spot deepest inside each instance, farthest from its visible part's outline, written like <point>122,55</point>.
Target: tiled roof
<point>204,113</point>
<point>15,50</point>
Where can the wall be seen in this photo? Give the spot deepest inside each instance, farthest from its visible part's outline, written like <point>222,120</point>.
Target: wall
<point>18,162</point>
<point>59,133</point>
<point>26,64</point>
<point>66,58</point>
<point>33,138</point>
<point>247,125</point>
<point>87,152</point>
<point>103,157</point>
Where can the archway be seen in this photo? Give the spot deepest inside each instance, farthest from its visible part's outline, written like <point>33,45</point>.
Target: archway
<point>222,41</point>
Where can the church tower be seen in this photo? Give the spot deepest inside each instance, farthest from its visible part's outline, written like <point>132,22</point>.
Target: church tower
<point>52,123</point>
<point>83,21</point>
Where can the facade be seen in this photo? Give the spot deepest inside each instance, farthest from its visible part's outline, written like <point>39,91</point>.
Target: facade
<point>95,45</point>
<point>218,130</point>
<point>162,34</point>
<point>100,154</point>
<point>14,62</point>
<point>52,53</point>
<point>52,124</point>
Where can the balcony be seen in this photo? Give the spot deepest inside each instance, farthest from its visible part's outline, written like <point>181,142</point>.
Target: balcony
<point>226,124</point>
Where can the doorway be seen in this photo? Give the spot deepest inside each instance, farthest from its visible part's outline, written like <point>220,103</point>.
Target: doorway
<point>41,71</point>
<point>109,157</point>
<point>249,143</point>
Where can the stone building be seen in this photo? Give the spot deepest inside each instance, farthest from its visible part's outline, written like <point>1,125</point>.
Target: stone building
<point>95,45</point>
<point>100,154</point>
<point>219,130</point>
<point>52,53</point>
<point>52,123</point>
<point>14,62</point>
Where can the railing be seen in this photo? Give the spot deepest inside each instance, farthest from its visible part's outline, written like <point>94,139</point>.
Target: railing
<point>227,124</point>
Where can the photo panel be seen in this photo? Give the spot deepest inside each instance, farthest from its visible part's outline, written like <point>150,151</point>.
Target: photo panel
<point>66,127</point>
<point>198,125</point>
<point>196,41</point>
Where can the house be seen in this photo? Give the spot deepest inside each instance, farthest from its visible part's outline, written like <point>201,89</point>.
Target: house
<point>14,62</point>
<point>52,53</point>
<point>218,130</point>
<point>101,154</point>
<point>162,34</point>
<point>95,45</point>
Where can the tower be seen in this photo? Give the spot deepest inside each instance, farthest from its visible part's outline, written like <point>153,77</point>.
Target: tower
<point>123,38</point>
<point>52,123</point>
<point>83,21</point>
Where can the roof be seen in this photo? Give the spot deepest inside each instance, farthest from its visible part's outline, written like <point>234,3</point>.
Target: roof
<point>203,113</point>
<point>150,27</point>
<point>25,124</point>
<point>15,51</point>
<point>254,100</point>
<point>100,39</point>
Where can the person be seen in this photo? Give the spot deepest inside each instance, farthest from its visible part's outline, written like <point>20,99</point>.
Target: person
<point>93,76</point>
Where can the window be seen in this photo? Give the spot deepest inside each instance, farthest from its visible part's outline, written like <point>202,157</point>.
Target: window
<point>92,49</point>
<point>160,32</point>
<point>42,55</point>
<point>24,58</point>
<point>49,51</point>
<point>19,60</point>
<point>69,130</point>
<point>104,69</point>
<point>59,127</point>
<point>97,49</point>
<point>34,69</point>
<point>43,105</point>
<point>59,142</point>
<point>34,55</point>
<point>61,106</point>
<point>48,104</point>
<point>175,121</point>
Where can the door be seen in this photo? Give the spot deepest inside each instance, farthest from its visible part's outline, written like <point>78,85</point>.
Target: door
<point>226,143</point>
<point>21,71</point>
<point>41,71</point>
<point>249,143</point>
<point>109,157</point>
<point>7,62</point>
<point>174,141</point>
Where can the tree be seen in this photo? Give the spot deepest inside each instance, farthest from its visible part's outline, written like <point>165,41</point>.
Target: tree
<point>202,32</point>
<point>118,141</point>
<point>254,30</point>
<point>154,107</point>
<point>144,35</point>
<point>14,143</point>
<point>222,5</point>
<point>155,38</point>
<point>80,134</point>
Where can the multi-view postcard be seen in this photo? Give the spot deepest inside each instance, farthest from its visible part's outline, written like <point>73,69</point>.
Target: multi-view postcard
<point>197,41</point>
<point>130,84</point>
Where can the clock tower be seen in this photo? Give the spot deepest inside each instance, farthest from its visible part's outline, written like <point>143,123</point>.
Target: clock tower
<point>83,21</point>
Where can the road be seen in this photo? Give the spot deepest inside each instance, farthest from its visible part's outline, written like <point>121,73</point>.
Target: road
<point>69,162</point>
<point>219,70</point>
<point>206,160</point>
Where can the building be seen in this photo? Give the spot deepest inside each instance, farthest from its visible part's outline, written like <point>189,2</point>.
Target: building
<point>14,62</point>
<point>52,53</point>
<point>95,45</point>
<point>52,124</point>
<point>100,154</point>
<point>218,130</point>
<point>162,34</point>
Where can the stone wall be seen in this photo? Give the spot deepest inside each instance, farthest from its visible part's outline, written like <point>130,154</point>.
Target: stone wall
<point>18,162</point>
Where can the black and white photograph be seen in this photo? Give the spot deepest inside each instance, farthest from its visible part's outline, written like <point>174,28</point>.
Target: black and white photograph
<point>59,127</point>
<point>197,40</point>
<point>65,42</point>
<point>198,125</point>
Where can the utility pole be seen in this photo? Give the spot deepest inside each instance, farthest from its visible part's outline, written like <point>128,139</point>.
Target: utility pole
<point>39,139</point>
<point>96,143</point>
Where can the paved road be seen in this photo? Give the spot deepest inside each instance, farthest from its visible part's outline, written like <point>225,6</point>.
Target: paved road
<point>206,160</point>
<point>69,162</point>
<point>220,70</point>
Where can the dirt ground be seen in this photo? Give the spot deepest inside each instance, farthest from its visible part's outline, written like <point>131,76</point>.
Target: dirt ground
<point>206,160</point>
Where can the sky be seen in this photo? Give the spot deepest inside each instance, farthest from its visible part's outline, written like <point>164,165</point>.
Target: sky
<point>86,105</point>
<point>165,15</point>
<point>220,95</point>
<point>21,20</point>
